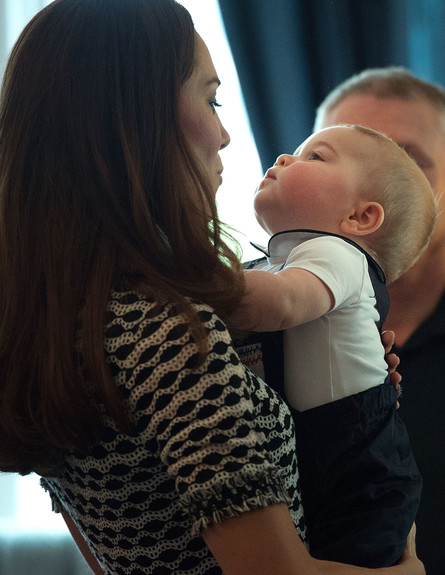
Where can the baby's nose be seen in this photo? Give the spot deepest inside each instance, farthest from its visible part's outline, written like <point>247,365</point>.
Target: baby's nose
<point>284,160</point>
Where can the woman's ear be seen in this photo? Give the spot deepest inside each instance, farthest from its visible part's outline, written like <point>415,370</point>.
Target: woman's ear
<point>366,219</point>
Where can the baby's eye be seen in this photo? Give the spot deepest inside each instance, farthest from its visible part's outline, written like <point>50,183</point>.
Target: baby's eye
<point>315,156</point>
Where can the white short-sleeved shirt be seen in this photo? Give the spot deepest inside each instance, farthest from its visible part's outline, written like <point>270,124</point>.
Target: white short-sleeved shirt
<point>340,353</point>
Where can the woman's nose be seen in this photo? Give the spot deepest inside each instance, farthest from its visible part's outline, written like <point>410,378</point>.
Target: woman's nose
<point>284,160</point>
<point>225,137</point>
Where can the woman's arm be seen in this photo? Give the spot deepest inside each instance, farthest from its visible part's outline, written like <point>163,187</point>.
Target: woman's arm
<point>265,542</point>
<point>281,300</point>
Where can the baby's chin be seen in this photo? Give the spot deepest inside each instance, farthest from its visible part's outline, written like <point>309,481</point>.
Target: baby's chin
<point>262,222</point>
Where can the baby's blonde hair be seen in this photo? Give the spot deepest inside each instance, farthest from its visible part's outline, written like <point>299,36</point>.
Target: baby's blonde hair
<point>396,182</point>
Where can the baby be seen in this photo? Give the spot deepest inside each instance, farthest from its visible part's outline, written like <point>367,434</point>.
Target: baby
<point>347,209</point>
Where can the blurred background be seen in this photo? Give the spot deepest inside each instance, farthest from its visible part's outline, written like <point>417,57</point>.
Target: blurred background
<point>289,56</point>
<point>277,61</point>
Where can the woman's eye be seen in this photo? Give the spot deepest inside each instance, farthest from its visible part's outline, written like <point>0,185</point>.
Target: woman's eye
<point>214,104</point>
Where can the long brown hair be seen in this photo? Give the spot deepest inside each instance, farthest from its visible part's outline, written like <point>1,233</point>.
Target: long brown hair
<point>98,189</point>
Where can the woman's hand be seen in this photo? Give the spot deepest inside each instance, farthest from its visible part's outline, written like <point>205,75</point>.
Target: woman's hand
<point>392,360</point>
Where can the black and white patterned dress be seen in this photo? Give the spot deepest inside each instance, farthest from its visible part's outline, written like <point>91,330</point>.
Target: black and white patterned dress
<point>208,444</point>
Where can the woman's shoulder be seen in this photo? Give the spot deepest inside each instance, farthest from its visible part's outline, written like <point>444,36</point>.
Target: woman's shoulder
<point>155,359</point>
<point>137,325</point>
<point>128,310</point>
<point>134,306</point>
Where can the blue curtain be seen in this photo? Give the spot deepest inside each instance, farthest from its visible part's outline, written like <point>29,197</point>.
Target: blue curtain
<point>290,53</point>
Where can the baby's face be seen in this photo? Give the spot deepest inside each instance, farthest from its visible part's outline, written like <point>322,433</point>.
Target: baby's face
<point>317,186</point>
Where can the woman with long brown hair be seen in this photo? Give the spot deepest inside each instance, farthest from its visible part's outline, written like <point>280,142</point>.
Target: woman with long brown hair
<point>119,383</point>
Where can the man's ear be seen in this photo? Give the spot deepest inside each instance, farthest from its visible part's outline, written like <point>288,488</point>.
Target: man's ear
<point>366,218</point>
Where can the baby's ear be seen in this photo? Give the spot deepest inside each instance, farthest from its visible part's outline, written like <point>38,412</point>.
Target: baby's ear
<point>366,218</point>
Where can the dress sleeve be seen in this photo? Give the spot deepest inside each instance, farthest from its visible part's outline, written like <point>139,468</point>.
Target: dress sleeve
<point>204,423</point>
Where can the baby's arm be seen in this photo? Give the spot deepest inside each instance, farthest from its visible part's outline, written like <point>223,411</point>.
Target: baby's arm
<point>281,300</point>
